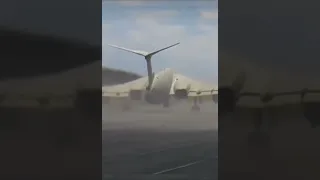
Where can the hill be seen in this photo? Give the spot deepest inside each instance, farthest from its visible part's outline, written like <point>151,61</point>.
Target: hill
<point>115,76</point>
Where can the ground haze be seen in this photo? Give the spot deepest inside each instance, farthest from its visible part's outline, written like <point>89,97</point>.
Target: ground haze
<point>150,142</point>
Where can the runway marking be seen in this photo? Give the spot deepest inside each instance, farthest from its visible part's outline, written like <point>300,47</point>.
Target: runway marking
<point>179,167</point>
<point>181,145</point>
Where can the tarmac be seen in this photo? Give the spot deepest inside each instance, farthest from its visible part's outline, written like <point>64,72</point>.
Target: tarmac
<point>152,142</point>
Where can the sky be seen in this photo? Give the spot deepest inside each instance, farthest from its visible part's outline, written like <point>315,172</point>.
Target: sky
<point>152,25</point>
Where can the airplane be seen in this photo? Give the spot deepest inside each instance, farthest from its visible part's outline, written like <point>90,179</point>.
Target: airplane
<point>309,109</point>
<point>181,87</point>
<point>277,95</point>
<point>137,89</point>
<point>156,88</point>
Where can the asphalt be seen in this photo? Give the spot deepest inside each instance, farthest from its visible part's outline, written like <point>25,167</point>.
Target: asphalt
<point>150,142</point>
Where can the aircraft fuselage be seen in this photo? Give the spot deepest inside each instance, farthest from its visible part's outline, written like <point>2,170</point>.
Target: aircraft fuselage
<point>160,87</point>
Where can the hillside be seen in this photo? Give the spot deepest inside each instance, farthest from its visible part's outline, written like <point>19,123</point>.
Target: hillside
<point>114,76</point>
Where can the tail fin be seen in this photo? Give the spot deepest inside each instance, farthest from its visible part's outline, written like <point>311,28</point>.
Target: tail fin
<point>147,57</point>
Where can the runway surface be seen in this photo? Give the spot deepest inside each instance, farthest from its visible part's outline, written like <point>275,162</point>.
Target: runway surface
<point>150,142</point>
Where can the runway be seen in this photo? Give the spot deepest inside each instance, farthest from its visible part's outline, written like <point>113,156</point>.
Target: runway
<point>150,142</point>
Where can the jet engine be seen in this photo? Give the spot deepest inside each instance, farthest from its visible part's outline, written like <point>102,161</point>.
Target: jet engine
<point>181,93</point>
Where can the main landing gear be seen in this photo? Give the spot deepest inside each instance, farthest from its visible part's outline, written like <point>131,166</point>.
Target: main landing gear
<point>195,106</point>
<point>260,137</point>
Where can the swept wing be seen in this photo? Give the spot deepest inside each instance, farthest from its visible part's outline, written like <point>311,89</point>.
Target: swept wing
<point>123,90</point>
<point>193,87</point>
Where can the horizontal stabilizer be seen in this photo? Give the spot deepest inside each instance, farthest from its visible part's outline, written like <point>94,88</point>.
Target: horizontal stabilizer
<point>155,52</point>
<point>141,53</point>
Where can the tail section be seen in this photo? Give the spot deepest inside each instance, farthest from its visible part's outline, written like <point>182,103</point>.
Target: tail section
<point>147,57</point>
<point>142,53</point>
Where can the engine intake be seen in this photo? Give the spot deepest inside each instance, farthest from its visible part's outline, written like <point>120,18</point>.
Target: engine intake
<point>181,94</point>
<point>135,94</point>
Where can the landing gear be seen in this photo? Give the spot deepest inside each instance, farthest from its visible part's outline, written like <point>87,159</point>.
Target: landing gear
<point>258,137</point>
<point>195,106</point>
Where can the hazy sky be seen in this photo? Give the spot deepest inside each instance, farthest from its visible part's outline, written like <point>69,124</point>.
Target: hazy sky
<point>152,25</point>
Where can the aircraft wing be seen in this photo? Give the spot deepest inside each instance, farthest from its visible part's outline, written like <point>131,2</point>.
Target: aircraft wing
<point>28,91</point>
<point>266,86</point>
<point>195,88</point>
<point>123,90</point>
<point>280,92</point>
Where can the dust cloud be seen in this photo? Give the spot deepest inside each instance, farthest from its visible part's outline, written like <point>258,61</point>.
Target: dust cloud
<point>149,139</point>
